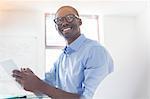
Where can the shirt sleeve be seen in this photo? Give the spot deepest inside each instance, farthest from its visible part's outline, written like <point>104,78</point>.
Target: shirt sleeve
<point>98,65</point>
<point>50,77</point>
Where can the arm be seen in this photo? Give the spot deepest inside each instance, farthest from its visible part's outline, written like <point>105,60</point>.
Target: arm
<point>96,69</point>
<point>56,93</point>
<point>31,82</point>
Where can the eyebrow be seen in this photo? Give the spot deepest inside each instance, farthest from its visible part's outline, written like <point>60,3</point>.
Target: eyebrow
<point>67,15</point>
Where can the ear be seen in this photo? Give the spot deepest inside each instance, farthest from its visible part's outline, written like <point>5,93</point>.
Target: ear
<point>56,27</point>
<point>80,22</point>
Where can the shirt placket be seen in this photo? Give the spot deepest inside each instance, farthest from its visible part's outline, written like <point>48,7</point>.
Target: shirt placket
<point>65,68</point>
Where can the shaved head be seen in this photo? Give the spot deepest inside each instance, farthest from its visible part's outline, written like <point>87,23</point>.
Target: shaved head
<point>69,8</point>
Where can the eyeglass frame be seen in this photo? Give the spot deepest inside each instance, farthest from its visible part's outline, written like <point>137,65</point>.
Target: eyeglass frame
<point>65,17</point>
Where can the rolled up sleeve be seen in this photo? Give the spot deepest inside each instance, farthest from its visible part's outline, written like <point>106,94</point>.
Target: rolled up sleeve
<point>50,77</point>
<point>98,66</point>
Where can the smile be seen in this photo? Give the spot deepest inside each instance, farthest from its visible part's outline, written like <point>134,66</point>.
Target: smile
<point>67,29</point>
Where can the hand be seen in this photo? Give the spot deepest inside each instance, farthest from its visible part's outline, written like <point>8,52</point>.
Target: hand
<point>27,79</point>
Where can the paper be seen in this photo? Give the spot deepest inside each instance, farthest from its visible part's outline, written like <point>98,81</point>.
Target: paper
<point>8,66</point>
<point>9,85</point>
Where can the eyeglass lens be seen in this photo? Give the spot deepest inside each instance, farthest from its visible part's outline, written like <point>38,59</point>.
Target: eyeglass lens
<point>68,18</point>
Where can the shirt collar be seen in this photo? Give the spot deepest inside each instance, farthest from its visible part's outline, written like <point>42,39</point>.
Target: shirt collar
<point>75,45</point>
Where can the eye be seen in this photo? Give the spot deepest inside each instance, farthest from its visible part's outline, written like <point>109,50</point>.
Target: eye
<point>59,20</point>
<point>70,18</point>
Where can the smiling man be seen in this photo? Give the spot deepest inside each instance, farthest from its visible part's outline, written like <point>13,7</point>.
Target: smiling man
<point>78,71</point>
<point>68,23</point>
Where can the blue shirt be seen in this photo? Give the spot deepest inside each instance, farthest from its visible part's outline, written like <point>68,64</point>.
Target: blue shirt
<point>81,67</point>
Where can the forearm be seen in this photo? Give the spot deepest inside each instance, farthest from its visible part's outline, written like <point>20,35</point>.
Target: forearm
<point>56,93</point>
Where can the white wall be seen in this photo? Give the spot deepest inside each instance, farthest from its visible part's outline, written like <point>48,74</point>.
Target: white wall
<point>143,23</point>
<point>22,38</point>
<point>128,48</point>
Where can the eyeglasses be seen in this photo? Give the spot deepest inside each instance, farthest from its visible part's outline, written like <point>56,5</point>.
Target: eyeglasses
<point>69,18</point>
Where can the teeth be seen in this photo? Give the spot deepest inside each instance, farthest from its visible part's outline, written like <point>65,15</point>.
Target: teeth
<point>66,29</point>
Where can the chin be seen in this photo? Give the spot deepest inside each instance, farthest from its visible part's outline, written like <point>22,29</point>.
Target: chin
<point>66,37</point>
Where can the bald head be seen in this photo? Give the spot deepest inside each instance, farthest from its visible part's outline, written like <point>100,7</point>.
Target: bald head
<point>68,23</point>
<point>64,10</point>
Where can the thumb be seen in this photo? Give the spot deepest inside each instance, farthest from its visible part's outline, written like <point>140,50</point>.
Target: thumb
<point>29,70</point>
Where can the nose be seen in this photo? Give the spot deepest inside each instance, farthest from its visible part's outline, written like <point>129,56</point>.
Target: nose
<point>64,23</point>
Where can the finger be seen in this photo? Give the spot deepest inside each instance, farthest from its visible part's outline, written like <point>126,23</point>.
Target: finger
<point>23,69</point>
<point>26,70</point>
<point>18,74</point>
<point>29,70</point>
<point>15,71</point>
<point>19,81</point>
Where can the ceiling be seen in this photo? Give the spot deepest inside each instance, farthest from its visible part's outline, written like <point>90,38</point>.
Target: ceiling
<point>128,7</point>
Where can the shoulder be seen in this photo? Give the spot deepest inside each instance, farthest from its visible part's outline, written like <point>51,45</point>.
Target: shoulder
<point>95,49</point>
<point>93,45</point>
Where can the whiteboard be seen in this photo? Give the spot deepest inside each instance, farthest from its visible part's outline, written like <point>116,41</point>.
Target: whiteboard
<point>22,49</point>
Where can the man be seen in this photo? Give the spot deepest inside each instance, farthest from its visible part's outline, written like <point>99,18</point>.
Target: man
<point>79,69</point>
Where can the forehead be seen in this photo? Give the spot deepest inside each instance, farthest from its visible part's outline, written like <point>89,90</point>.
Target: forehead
<point>65,11</point>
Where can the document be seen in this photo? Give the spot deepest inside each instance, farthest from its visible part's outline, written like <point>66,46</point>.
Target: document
<point>8,86</point>
<point>8,65</point>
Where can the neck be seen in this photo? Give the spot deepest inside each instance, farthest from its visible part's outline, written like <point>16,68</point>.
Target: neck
<point>70,40</point>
